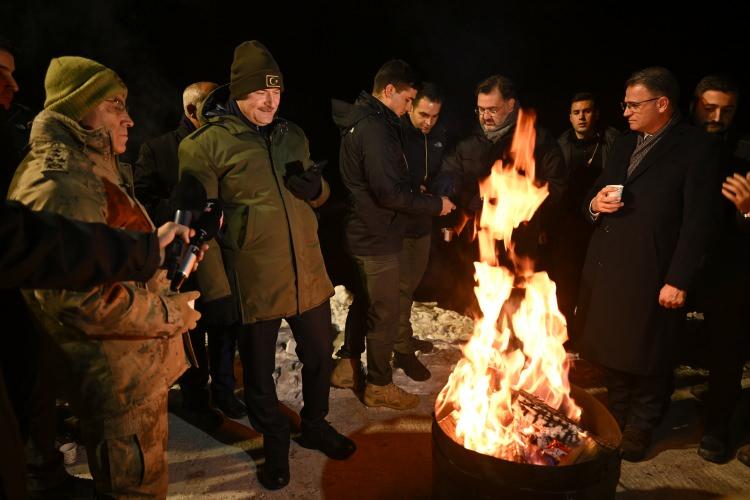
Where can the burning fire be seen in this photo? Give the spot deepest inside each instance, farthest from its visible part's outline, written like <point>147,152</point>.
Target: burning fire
<point>517,346</point>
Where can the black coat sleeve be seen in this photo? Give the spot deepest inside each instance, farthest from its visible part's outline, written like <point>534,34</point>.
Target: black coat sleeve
<point>551,167</point>
<point>390,186</point>
<point>701,211</point>
<point>44,250</point>
<point>150,188</point>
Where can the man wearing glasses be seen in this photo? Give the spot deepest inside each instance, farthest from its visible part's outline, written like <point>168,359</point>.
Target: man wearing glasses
<point>645,251</point>
<point>473,157</point>
<point>722,295</point>
<point>116,347</point>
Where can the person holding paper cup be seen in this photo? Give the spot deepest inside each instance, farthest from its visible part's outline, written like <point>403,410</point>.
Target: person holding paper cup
<point>654,208</point>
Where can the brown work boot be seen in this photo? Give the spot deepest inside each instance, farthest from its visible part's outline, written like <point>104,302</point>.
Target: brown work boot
<point>347,373</point>
<point>390,396</point>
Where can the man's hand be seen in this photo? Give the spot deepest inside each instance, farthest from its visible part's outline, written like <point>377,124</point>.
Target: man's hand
<point>185,303</point>
<point>448,206</point>
<point>168,232</point>
<point>602,204</point>
<point>305,186</point>
<point>171,230</point>
<point>671,297</point>
<point>737,190</point>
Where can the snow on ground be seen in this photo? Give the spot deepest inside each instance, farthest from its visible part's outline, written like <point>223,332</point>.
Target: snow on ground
<point>443,327</point>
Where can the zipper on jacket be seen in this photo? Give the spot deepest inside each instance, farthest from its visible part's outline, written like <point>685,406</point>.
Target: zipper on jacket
<point>269,143</point>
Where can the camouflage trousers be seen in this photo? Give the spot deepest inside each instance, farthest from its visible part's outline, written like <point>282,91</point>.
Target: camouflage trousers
<point>127,455</point>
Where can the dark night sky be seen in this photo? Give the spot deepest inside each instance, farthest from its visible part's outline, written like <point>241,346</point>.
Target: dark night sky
<point>551,49</point>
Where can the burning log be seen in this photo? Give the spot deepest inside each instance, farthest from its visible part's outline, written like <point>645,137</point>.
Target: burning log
<point>551,438</point>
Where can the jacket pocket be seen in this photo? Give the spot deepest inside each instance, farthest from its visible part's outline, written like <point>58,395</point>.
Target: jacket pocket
<point>121,463</point>
<point>240,223</point>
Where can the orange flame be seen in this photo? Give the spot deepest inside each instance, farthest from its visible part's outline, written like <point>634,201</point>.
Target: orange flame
<point>518,344</point>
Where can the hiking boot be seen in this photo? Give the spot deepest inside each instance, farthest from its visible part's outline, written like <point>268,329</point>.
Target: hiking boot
<point>743,454</point>
<point>713,448</point>
<point>424,346</point>
<point>635,443</point>
<point>413,368</point>
<point>328,440</point>
<point>390,396</point>
<point>230,405</point>
<point>347,373</point>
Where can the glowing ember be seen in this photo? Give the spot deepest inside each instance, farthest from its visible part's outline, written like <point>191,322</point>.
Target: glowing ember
<point>517,347</point>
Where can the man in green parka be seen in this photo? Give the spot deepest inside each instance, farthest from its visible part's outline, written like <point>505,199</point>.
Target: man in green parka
<point>267,266</point>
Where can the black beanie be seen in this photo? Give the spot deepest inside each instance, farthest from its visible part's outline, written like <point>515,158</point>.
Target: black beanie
<point>253,68</point>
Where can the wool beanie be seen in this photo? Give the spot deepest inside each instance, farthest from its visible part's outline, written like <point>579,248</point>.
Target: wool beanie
<point>253,68</point>
<point>75,85</point>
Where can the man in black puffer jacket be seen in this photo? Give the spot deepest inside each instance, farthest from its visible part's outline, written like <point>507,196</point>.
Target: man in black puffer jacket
<point>380,196</point>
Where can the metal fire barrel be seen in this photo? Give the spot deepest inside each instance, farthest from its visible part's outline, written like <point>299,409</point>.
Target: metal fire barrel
<point>462,473</point>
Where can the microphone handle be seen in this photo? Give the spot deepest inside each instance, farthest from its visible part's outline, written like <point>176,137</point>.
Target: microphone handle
<point>185,268</point>
<point>177,247</point>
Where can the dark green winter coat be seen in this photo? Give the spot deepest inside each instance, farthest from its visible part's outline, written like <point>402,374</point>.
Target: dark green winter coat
<point>268,259</point>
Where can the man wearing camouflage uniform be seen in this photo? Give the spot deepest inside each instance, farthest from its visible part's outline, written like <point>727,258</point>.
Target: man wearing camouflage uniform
<point>116,347</point>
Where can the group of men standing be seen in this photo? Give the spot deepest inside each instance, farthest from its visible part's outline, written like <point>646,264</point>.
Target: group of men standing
<point>118,345</point>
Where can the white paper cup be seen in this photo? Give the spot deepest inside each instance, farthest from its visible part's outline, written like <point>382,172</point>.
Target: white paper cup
<point>614,195</point>
<point>70,453</point>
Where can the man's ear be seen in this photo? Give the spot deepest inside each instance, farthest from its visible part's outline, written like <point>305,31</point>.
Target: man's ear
<point>192,111</point>
<point>389,90</point>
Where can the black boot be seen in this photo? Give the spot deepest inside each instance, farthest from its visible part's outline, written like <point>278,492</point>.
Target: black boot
<point>274,474</point>
<point>635,443</point>
<point>325,438</point>
<point>424,346</point>
<point>230,405</point>
<point>714,448</point>
<point>195,400</point>
<point>412,367</point>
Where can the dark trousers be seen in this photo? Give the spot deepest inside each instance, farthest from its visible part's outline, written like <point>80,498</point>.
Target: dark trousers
<point>638,401</point>
<point>729,339</point>
<point>412,263</point>
<point>374,314</point>
<point>257,344</point>
<point>218,361</point>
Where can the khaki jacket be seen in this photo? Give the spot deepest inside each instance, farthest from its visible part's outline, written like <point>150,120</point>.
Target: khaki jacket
<point>119,343</point>
<point>269,258</point>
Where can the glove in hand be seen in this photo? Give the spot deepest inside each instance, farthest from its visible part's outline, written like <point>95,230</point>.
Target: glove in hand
<point>305,186</point>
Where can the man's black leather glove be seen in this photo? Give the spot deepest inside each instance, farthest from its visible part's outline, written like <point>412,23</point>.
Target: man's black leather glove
<point>306,185</point>
<point>219,312</point>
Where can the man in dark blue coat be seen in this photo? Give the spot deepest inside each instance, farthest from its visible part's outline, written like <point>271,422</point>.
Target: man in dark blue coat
<point>645,251</point>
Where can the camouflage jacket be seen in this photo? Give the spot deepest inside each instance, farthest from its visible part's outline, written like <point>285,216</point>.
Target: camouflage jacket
<point>119,342</point>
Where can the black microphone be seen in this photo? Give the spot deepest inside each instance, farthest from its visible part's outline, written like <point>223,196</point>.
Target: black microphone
<point>189,196</point>
<point>206,227</point>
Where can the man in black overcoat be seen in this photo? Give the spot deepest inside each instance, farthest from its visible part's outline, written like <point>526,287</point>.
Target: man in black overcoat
<point>645,251</point>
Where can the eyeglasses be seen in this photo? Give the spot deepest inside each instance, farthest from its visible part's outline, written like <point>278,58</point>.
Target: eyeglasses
<point>119,105</point>
<point>486,111</point>
<point>634,105</point>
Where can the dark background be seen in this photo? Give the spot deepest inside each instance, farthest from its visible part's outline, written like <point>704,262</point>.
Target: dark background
<point>325,50</point>
<point>551,49</point>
